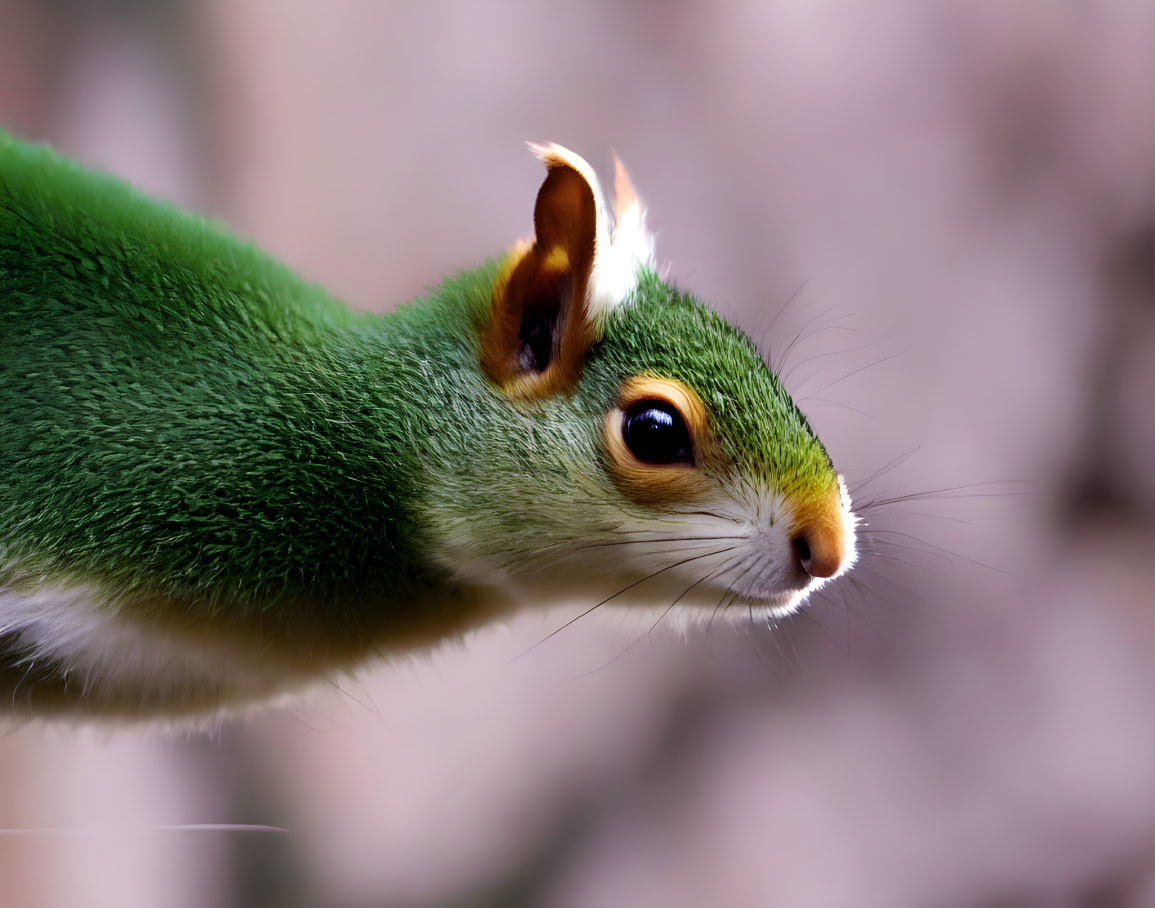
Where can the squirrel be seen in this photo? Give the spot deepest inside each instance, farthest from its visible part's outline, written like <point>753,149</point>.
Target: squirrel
<point>218,484</point>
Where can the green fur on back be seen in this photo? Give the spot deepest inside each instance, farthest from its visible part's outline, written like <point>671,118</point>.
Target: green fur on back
<point>181,414</point>
<point>182,417</point>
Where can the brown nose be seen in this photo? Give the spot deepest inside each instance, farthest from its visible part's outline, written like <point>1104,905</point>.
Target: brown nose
<point>819,538</point>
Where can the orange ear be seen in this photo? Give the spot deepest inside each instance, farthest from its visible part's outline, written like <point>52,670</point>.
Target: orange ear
<point>539,326</point>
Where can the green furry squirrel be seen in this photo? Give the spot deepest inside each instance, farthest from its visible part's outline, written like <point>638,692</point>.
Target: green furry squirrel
<point>218,484</point>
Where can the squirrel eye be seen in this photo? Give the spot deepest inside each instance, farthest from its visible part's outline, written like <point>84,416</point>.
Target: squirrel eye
<point>655,432</point>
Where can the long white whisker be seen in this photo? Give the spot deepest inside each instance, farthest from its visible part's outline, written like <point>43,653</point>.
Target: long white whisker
<point>624,589</point>
<point>683,594</point>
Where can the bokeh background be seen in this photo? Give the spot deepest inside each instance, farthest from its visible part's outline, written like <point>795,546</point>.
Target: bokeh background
<point>940,219</point>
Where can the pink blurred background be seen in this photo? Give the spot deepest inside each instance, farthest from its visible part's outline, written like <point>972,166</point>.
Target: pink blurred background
<point>953,205</point>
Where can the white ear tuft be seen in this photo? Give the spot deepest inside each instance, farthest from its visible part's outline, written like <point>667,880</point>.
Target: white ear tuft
<point>622,245</point>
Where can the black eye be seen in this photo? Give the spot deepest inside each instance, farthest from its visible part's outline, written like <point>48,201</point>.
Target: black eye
<point>655,432</point>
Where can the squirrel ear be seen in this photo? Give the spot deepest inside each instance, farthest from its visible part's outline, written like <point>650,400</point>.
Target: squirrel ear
<point>550,298</point>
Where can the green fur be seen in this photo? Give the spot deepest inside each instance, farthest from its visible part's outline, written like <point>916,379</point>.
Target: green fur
<point>763,434</point>
<point>529,481</point>
<point>182,418</point>
<point>182,415</point>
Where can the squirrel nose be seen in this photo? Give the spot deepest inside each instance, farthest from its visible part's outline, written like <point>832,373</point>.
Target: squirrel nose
<point>819,539</point>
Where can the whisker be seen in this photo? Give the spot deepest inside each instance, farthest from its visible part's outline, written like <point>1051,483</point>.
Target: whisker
<point>525,555</point>
<point>805,615</point>
<point>686,592</point>
<point>887,467</point>
<point>896,510</point>
<point>660,617</point>
<point>946,494</point>
<point>773,637</point>
<point>892,580</point>
<point>914,564</point>
<point>341,690</point>
<point>595,545</point>
<point>877,362</point>
<point>774,321</point>
<point>727,597</point>
<point>703,513</point>
<point>862,611</point>
<point>751,566</point>
<point>809,336</point>
<point>928,548</point>
<point>915,541</point>
<point>770,666</point>
<point>811,359</point>
<point>624,589</point>
<point>838,403</point>
<point>785,355</point>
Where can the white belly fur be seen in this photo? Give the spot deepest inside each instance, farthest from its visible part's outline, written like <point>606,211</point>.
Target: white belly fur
<point>114,662</point>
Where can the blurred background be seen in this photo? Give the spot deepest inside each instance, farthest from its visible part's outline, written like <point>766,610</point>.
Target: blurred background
<point>938,217</point>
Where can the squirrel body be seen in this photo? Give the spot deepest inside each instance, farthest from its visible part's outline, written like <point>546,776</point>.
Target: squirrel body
<point>218,483</point>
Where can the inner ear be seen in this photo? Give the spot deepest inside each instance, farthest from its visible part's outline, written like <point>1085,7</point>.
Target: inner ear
<point>539,326</point>
<point>539,331</point>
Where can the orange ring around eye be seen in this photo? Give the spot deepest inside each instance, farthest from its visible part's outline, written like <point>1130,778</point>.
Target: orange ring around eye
<point>660,484</point>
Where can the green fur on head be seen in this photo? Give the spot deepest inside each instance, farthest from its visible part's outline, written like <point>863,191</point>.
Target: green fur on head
<point>764,435</point>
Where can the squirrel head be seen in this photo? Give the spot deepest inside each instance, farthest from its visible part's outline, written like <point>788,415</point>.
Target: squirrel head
<point>626,436</point>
